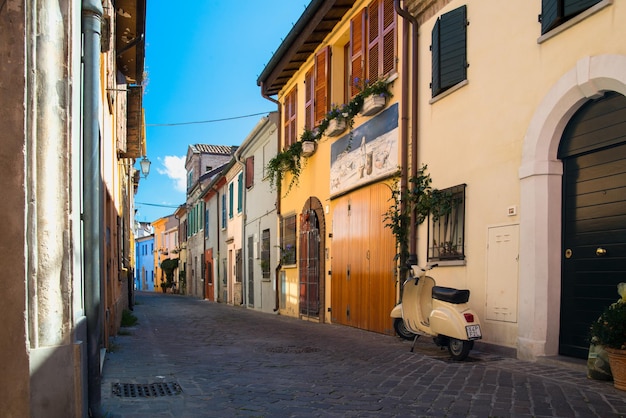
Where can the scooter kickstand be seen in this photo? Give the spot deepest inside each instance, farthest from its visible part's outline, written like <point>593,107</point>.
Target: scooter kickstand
<point>414,342</point>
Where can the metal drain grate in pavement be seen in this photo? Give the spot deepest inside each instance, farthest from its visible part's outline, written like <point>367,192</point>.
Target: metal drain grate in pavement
<point>149,390</point>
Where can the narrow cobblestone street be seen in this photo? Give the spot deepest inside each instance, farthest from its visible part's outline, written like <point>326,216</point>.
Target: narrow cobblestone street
<point>215,360</point>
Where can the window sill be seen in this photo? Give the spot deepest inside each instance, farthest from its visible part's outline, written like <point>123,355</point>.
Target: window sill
<point>448,92</point>
<point>573,21</point>
<point>448,263</point>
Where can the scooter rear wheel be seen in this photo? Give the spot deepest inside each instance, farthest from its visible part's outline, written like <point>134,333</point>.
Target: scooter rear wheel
<point>405,334</point>
<point>459,349</point>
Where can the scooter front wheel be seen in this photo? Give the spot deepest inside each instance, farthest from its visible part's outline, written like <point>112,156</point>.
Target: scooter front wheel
<point>405,334</point>
<point>459,349</point>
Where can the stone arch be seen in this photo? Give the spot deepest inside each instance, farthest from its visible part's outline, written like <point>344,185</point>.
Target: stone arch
<point>315,205</point>
<point>540,199</point>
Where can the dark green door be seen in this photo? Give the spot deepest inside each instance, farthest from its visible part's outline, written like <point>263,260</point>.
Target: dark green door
<point>593,150</point>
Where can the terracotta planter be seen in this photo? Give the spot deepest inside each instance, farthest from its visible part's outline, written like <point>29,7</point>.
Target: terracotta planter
<point>373,104</point>
<point>617,360</point>
<point>335,127</point>
<point>308,148</point>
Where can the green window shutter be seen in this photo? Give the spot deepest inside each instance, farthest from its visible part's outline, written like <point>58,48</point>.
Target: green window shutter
<point>239,192</point>
<point>434,47</point>
<point>549,14</point>
<point>555,12</point>
<point>449,50</point>
<point>573,7</point>
<point>231,198</point>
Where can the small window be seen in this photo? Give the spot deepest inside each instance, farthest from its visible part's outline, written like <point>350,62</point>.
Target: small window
<point>446,229</point>
<point>449,50</point>
<point>189,179</point>
<point>265,253</point>
<point>288,240</point>
<point>557,12</point>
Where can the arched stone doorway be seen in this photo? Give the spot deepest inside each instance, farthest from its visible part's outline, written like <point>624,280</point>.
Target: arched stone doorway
<point>593,151</point>
<point>540,201</point>
<point>311,262</point>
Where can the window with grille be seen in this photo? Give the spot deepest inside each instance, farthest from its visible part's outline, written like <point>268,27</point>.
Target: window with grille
<point>288,240</point>
<point>265,253</point>
<point>446,229</point>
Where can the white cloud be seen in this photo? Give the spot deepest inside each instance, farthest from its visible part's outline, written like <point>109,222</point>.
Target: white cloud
<point>174,168</point>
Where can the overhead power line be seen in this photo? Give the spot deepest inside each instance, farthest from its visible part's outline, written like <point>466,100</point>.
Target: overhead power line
<point>207,121</point>
<point>156,204</point>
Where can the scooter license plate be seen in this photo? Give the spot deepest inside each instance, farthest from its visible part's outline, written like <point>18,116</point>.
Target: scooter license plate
<point>473,332</point>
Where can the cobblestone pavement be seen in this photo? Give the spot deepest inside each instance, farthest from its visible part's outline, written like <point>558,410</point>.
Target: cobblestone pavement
<point>214,360</point>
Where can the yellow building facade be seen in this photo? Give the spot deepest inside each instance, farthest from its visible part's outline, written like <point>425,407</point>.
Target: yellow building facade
<point>515,110</point>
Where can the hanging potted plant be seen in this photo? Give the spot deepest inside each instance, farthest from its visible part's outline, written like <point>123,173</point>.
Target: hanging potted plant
<point>308,139</point>
<point>374,95</point>
<point>286,161</point>
<point>337,120</point>
<point>609,331</point>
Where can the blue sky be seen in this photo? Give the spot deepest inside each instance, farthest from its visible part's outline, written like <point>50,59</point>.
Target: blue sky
<point>202,62</point>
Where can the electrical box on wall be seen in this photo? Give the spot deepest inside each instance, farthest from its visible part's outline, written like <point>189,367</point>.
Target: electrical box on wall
<point>512,210</point>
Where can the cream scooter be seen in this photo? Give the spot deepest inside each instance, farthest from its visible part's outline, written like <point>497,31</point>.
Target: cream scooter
<point>436,311</point>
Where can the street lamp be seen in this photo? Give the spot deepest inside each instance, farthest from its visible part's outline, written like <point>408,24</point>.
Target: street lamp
<point>145,166</point>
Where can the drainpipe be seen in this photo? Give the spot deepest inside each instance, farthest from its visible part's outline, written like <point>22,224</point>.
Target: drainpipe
<point>413,103</point>
<point>278,144</point>
<point>92,197</point>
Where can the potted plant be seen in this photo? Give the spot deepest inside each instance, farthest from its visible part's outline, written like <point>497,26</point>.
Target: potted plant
<point>337,120</point>
<point>286,161</point>
<point>374,95</point>
<point>308,139</point>
<point>609,331</point>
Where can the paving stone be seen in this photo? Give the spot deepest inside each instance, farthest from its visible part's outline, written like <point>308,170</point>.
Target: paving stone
<point>232,361</point>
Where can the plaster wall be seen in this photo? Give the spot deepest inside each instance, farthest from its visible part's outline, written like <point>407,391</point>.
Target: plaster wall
<point>260,214</point>
<point>499,132</point>
<point>314,180</point>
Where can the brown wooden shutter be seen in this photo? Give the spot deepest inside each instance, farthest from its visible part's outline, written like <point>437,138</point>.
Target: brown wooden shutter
<point>357,53</point>
<point>388,45</point>
<point>290,117</point>
<point>373,41</point>
<point>322,84</point>
<point>249,172</point>
<point>309,87</point>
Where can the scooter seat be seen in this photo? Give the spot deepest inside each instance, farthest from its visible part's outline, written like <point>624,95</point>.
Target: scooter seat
<point>448,294</point>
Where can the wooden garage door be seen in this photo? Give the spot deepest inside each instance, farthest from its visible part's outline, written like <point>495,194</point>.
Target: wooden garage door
<point>363,282</point>
<point>593,150</point>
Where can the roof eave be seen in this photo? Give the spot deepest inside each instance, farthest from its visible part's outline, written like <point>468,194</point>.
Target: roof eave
<point>318,20</point>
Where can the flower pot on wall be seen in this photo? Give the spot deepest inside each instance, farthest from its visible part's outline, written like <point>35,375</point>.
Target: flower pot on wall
<point>373,104</point>
<point>617,360</point>
<point>308,148</point>
<point>335,127</point>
